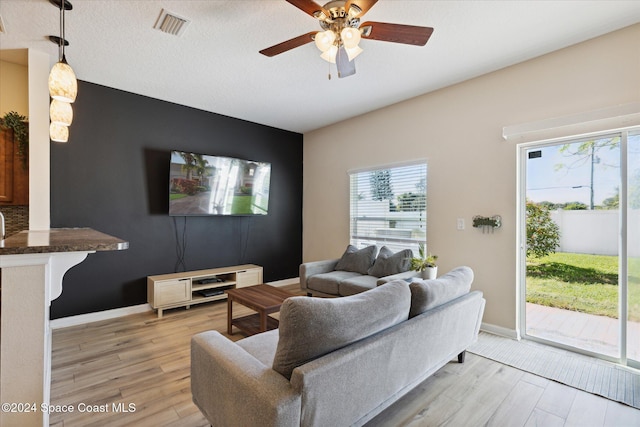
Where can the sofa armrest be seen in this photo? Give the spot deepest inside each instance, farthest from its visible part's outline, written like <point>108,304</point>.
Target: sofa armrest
<point>308,269</point>
<point>231,387</point>
<point>398,276</point>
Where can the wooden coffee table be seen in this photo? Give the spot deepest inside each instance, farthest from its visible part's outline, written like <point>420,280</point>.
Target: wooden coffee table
<point>264,299</point>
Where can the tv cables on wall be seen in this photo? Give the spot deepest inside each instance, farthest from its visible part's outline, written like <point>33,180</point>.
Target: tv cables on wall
<point>181,245</point>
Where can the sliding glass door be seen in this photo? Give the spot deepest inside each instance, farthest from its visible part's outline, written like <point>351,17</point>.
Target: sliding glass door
<point>633,248</point>
<point>580,269</point>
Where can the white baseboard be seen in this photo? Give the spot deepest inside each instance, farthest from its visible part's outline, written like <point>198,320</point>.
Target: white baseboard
<point>81,319</point>
<point>500,331</point>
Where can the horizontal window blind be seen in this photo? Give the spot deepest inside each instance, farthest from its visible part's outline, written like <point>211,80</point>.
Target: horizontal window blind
<point>389,207</point>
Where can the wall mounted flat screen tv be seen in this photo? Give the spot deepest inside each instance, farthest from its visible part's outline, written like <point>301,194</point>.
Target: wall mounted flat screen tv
<point>201,184</point>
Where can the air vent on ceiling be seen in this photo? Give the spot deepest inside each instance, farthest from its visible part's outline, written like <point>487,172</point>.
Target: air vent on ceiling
<point>170,23</point>
<point>2,30</point>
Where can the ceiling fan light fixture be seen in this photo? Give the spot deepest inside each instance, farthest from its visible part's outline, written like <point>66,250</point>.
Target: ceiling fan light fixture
<point>330,54</point>
<point>58,133</point>
<point>350,37</point>
<point>324,40</point>
<point>352,52</point>
<point>61,112</point>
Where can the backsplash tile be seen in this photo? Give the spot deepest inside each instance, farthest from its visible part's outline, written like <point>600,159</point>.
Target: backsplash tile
<point>16,218</point>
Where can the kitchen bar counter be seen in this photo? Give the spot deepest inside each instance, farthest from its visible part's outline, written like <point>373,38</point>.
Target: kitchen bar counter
<point>60,240</point>
<point>32,266</point>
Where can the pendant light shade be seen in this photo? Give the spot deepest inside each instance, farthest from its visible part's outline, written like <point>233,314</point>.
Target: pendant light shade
<point>324,40</point>
<point>329,55</point>
<point>352,52</point>
<point>350,37</point>
<point>61,112</point>
<point>58,133</point>
<point>63,85</point>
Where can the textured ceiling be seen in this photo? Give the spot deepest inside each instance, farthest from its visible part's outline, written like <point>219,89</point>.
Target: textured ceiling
<point>215,65</point>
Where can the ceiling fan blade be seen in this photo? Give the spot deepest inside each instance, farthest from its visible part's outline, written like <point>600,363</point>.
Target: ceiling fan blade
<point>363,5</point>
<point>289,44</point>
<point>397,33</point>
<point>307,6</point>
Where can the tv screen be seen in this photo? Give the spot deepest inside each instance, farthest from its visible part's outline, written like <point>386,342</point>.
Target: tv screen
<point>200,184</point>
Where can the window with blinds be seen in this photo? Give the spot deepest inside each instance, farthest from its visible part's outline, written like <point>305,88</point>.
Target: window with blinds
<point>389,207</point>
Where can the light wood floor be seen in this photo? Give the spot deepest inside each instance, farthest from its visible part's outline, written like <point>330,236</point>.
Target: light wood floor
<point>143,361</point>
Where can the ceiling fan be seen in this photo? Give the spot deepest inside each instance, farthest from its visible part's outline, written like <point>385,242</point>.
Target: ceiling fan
<point>342,31</point>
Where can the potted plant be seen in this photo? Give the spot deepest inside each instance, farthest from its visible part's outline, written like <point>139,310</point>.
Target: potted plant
<point>20,127</point>
<point>425,263</point>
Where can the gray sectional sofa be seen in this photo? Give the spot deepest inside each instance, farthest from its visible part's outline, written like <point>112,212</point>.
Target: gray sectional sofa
<point>336,361</point>
<point>356,271</point>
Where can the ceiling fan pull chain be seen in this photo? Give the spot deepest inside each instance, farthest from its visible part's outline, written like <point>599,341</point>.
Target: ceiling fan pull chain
<point>329,65</point>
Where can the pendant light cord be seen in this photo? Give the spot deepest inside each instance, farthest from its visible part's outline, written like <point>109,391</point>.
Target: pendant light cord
<point>62,39</point>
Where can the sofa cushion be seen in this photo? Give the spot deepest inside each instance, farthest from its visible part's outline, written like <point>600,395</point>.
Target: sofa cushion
<point>261,346</point>
<point>355,260</point>
<point>388,263</point>
<point>355,285</point>
<point>426,294</point>
<point>313,327</point>
<point>328,282</point>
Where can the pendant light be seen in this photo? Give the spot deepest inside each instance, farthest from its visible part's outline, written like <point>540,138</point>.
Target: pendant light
<point>63,86</point>
<point>58,133</point>
<point>61,112</point>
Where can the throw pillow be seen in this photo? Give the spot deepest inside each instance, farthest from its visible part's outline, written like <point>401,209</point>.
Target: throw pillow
<point>357,261</point>
<point>313,327</point>
<point>427,294</point>
<point>388,263</point>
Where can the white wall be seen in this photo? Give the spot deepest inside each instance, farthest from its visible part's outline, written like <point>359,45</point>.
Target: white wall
<point>39,142</point>
<point>471,169</point>
<point>14,88</point>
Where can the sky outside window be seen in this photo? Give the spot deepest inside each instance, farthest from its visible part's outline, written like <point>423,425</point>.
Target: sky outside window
<point>559,177</point>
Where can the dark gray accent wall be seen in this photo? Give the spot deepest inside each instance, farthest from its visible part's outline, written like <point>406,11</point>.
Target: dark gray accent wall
<point>113,176</point>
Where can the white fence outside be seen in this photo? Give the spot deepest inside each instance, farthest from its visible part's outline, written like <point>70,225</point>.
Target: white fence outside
<point>596,232</point>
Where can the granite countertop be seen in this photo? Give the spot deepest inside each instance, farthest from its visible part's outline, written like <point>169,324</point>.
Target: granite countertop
<point>60,240</point>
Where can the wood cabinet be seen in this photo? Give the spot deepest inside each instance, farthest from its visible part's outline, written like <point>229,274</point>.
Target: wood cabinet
<point>174,290</point>
<point>14,175</point>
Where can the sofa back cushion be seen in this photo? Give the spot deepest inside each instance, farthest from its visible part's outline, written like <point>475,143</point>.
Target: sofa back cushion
<point>358,261</point>
<point>427,294</point>
<point>388,263</point>
<point>313,327</point>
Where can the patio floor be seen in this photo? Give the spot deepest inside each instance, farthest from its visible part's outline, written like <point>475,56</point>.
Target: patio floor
<point>586,331</point>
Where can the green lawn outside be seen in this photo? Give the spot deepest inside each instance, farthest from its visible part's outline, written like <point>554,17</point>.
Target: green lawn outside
<point>580,282</point>
<point>241,205</point>
<point>245,204</point>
